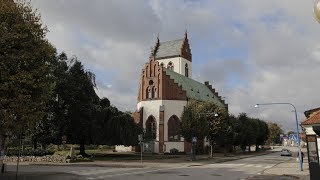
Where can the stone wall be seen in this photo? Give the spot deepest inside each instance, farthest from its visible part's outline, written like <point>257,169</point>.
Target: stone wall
<point>47,158</point>
<point>122,148</point>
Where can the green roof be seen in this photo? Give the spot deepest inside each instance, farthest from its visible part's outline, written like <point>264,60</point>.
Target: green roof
<point>194,89</point>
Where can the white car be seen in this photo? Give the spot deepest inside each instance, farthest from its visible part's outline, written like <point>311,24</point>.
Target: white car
<point>286,152</point>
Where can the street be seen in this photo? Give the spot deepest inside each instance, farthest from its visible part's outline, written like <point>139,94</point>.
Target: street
<point>231,170</point>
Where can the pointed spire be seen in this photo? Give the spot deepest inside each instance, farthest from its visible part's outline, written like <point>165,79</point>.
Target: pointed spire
<point>156,47</point>
<point>186,34</point>
<point>158,40</point>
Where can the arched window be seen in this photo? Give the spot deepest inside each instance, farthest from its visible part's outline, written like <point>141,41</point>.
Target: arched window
<point>148,93</point>
<point>186,70</point>
<point>173,128</point>
<point>153,92</point>
<point>151,128</point>
<point>162,64</point>
<point>170,66</point>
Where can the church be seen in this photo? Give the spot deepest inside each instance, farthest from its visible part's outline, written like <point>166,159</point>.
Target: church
<point>165,87</point>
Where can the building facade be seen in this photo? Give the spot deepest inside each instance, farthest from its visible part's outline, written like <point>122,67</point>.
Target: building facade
<point>311,125</point>
<point>165,87</point>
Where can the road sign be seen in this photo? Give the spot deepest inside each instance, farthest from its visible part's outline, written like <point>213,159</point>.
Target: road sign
<point>194,139</point>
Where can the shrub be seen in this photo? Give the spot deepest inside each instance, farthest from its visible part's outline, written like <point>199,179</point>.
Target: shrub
<point>28,152</point>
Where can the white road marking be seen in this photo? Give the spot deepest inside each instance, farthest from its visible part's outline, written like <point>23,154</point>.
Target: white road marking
<point>230,165</point>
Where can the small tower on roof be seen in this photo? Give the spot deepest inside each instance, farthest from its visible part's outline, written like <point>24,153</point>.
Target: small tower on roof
<point>175,55</point>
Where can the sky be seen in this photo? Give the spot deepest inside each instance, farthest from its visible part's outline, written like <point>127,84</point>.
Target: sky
<point>251,51</point>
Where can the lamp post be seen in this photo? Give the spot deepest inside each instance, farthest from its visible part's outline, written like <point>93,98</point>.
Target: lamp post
<point>297,125</point>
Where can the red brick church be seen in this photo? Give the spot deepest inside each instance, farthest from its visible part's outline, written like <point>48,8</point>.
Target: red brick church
<point>165,87</point>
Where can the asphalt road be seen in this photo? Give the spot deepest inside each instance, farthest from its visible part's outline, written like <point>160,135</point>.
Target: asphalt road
<point>232,170</point>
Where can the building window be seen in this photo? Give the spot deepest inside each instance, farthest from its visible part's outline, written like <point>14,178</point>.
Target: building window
<point>173,129</point>
<point>162,64</point>
<point>186,70</point>
<point>148,93</point>
<point>150,82</point>
<point>170,66</point>
<point>154,92</point>
<point>151,128</point>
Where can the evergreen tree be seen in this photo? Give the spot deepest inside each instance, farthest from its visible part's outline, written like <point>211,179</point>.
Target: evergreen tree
<point>80,98</point>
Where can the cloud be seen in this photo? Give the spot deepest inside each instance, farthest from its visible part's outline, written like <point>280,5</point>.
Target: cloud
<point>252,51</point>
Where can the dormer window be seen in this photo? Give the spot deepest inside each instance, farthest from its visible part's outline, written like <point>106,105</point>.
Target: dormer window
<point>170,66</point>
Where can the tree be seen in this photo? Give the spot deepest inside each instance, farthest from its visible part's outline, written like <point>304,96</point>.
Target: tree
<point>249,131</point>
<point>220,128</point>
<point>123,130</point>
<point>192,124</point>
<point>236,127</point>
<point>114,127</point>
<point>199,120</point>
<point>80,98</point>
<point>25,77</point>
<point>291,132</point>
<point>262,133</point>
<point>49,129</point>
<point>274,133</point>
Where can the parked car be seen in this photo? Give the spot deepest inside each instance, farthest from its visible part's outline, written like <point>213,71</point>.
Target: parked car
<point>286,152</point>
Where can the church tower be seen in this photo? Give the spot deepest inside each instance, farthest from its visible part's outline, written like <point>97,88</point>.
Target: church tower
<point>175,55</point>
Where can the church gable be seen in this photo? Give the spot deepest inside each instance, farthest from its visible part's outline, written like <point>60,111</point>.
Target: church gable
<point>156,85</point>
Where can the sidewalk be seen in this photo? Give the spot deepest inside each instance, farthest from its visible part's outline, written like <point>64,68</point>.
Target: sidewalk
<point>290,168</point>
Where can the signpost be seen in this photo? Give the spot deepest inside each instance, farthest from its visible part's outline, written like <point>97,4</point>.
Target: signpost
<point>194,141</point>
<point>140,139</point>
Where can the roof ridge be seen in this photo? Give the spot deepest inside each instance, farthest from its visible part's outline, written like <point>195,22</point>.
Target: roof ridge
<point>194,89</point>
<point>183,76</point>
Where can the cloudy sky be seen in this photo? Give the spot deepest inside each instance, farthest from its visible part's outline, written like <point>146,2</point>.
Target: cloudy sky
<point>251,51</point>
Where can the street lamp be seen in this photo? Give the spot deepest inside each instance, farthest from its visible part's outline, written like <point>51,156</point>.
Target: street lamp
<point>215,114</point>
<point>295,112</point>
<point>316,10</point>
